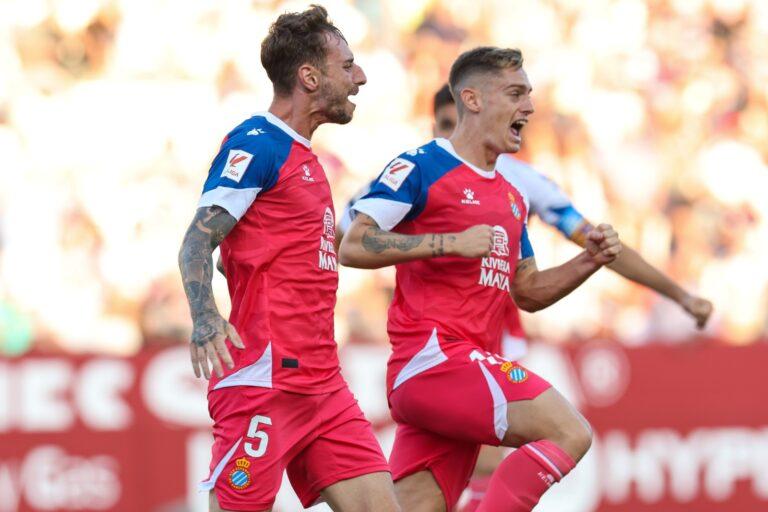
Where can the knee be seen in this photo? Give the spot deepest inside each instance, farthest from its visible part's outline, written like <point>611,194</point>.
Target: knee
<point>576,438</point>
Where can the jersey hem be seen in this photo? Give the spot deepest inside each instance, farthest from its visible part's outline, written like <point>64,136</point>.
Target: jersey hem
<point>299,390</point>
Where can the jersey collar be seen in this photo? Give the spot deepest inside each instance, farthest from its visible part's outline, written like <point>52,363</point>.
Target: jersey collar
<point>447,146</point>
<point>273,119</point>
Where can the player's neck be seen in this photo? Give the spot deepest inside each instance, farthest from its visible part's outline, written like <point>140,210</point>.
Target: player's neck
<point>469,145</point>
<point>296,113</point>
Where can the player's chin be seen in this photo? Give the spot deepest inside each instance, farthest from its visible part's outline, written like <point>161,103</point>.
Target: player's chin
<point>341,115</point>
<point>512,146</point>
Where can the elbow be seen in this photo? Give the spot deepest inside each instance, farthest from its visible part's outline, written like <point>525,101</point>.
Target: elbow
<point>348,256</point>
<point>346,259</point>
<point>528,304</point>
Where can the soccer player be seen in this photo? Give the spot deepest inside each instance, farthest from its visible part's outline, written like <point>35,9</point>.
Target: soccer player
<point>552,205</point>
<point>281,402</point>
<point>456,229</point>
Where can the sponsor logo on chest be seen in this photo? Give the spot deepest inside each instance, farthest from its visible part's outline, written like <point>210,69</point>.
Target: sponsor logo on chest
<point>469,197</point>
<point>495,269</point>
<point>327,253</point>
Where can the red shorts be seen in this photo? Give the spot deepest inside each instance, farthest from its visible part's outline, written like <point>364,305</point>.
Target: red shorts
<point>448,411</point>
<point>259,432</point>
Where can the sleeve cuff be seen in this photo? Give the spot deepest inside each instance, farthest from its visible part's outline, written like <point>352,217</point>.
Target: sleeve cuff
<point>385,212</point>
<point>235,200</point>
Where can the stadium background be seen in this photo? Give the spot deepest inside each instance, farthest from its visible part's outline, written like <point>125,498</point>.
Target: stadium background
<point>652,115</point>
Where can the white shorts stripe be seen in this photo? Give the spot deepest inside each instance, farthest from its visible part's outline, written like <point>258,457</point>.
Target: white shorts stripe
<point>499,403</point>
<point>211,482</point>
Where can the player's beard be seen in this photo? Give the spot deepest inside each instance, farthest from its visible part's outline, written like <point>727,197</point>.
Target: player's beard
<point>336,104</point>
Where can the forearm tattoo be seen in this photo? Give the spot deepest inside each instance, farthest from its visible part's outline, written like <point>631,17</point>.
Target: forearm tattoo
<point>208,229</point>
<point>437,244</point>
<point>376,240</point>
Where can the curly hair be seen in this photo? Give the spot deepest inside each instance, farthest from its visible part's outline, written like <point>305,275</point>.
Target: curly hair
<point>294,39</point>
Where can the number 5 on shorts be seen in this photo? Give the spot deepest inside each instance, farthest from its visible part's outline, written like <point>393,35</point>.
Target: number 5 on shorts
<point>254,433</point>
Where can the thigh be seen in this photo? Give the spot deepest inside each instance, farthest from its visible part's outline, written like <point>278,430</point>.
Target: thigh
<point>466,396</point>
<point>423,462</point>
<point>344,449</point>
<point>420,492</point>
<point>372,492</point>
<point>256,431</point>
<point>548,416</point>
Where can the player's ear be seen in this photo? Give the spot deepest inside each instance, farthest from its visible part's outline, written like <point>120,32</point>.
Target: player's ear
<point>471,99</point>
<point>309,77</point>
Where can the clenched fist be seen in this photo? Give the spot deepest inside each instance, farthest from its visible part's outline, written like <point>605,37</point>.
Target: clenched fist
<point>603,244</point>
<point>475,242</point>
<point>700,309</point>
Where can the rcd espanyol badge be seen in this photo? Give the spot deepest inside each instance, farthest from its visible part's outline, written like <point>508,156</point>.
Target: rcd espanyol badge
<point>513,204</point>
<point>240,478</point>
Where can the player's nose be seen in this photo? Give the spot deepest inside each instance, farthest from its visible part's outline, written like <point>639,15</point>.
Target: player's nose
<point>359,76</point>
<point>527,106</point>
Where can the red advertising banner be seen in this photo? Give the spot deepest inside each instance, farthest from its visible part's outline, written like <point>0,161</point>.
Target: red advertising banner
<point>681,428</point>
<point>96,433</point>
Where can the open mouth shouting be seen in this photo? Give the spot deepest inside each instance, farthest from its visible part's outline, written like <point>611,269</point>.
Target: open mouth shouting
<point>516,128</point>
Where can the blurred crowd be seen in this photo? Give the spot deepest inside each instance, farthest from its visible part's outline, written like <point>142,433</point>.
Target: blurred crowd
<point>652,115</point>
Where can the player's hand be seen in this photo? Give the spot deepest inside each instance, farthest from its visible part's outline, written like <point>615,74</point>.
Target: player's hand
<point>209,333</point>
<point>700,309</point>
<point>475,242</point>
<point>602,244</point>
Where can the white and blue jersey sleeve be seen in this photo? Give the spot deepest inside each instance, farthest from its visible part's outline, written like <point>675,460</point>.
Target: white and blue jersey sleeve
<point>545,198</point>
<point>396,193</point>
<point>348,215</point>
<point>526,249</point>
<point>242,169</point>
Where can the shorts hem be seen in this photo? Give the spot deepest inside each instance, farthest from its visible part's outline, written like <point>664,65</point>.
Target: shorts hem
<point>311,497</point>
<point>244,507</point>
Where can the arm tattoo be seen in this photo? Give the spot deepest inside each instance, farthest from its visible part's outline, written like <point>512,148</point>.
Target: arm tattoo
<point>524,264</point>
<point>376,240</point>
<point>208,229</point>
<point>437,244</point>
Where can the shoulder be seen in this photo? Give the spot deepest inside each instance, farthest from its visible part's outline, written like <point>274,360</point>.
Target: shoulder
<point>542,192</point>
<point>408,166</point>
<point>517,172</point>
<point>258,136</point>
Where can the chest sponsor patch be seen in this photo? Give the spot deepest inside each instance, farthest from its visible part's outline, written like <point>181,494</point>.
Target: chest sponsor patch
<point>237,163</point>
<point>396,173</point>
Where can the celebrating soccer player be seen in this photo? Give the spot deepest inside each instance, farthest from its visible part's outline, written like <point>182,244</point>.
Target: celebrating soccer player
<point>456,229</point>
<point>552,205</point>
<point>277,399</point>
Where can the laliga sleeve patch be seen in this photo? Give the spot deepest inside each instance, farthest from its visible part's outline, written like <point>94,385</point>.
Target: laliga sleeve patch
<point>396,173</point>
<point>237,163</point>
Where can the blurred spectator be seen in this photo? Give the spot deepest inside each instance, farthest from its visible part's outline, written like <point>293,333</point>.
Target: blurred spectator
<point>651,114</point>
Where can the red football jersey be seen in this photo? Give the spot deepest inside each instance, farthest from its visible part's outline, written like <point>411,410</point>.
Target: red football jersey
<point>432,190</point>
<point>279,259</point>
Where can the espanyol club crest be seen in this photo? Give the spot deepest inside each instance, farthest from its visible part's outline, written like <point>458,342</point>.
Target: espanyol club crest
<point>513,204</point>
<point>239,478</point>
<point>515,373</point>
